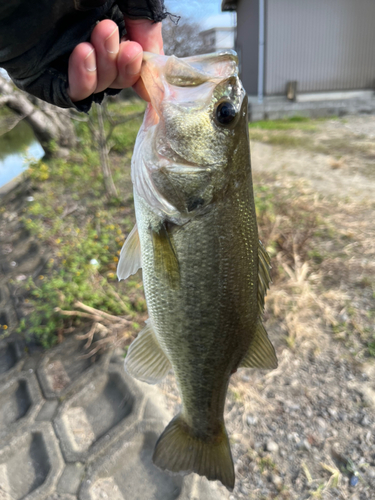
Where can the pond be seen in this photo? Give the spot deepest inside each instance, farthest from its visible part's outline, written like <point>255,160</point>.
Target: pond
<point>17,148</point>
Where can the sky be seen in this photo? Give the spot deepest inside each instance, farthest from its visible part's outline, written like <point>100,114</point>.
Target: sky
<point>193,8</point>
<point>207,13</point>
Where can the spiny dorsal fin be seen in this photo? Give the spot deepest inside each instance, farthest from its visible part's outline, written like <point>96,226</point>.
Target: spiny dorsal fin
<point>166,264</point>
<point>179,450</point>
<point>145,359</point>
<point>264,277</point>
<point>130,256</point>
<point>261,353</point>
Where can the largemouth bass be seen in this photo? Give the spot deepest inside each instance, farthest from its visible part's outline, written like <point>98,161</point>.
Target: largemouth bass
<point>205,274</point>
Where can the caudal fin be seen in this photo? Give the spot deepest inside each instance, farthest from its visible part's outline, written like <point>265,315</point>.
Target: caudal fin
<point>177,450</point>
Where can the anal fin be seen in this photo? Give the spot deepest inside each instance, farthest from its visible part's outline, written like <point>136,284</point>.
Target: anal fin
<point>130,256</point>
<point>145,359</point>
<point>261,353</point>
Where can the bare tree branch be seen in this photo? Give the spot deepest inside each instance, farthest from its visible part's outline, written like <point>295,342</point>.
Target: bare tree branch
<point>104,159</point>
<point>48,122</point>
<point>182,39</point>
<point>121,121</point>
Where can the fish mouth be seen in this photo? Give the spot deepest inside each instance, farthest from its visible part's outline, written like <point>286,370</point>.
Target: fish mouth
<point>188,81</point>
<point>186,84</point>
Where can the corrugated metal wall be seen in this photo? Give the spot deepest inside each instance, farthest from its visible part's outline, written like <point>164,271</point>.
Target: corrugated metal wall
<point>247,43</point>
<point>323,44</point>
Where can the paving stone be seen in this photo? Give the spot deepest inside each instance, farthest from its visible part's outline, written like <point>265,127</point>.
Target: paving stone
<point>4,320</point>
<point>4,296</point>
<point>28,259</point>
<point>61,368</point>
<point>48,411</point>
<point>57,496</point>
<point>127,472</point>
<point>71,478</point>
<point>20,401</point>
<point>32,362</point>
<point>200,488</point>
<point>8,318</point>
<point>30,465</point>
<point>11,353</point>
<point>97,414</point>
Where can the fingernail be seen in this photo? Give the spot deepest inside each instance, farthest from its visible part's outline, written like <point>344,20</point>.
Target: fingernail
<point>134,68</point>
<point>90,61</point>
<point>112,43</point>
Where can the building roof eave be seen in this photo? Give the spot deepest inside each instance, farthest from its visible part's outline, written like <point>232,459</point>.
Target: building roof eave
<point>228,5</point>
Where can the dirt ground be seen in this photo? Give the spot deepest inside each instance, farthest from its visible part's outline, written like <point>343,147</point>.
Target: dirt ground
<point>307,429</point>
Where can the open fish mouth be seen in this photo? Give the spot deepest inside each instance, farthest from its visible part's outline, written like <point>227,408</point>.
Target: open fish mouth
<point>188,81</point>
<point>184,86</point>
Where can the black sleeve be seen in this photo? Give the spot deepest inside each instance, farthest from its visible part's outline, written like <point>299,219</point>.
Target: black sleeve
<point>147,9</point>
<point>37,38</point>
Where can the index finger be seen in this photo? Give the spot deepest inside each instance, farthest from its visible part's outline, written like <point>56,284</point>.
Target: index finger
<point>147,33</point>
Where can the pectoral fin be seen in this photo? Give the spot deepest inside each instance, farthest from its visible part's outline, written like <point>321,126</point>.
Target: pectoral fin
<point>166,264</point>
<point>261,353</point>
<point>145,359</point>
<point>264,277</point>
<point>130,256</point>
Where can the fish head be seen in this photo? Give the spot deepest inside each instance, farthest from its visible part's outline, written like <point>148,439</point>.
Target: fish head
<point>193,127</point>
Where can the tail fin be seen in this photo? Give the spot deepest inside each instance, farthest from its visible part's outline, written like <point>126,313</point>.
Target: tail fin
<point>178,450</point>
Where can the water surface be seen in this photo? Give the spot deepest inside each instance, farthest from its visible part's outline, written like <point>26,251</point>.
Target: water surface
<point>17,148</point>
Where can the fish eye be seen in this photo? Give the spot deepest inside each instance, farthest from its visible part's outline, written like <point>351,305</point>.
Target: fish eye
<point>225,113</point>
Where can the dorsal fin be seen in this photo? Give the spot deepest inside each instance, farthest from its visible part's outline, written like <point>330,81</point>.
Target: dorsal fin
<point>264,276</point>
<point>261,353</point>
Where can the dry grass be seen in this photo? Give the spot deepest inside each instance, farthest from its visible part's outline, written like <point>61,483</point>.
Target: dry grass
<point>324,265</point>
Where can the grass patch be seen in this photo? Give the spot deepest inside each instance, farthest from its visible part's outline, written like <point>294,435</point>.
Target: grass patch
<point>84,234</point>
<point>371,348</point>
<point>282,139</point>
<point>124,135</point>
<point>286,218</point>
<point>304,134</point>
<point>266,464</point>
<point>293,123</point>
<point>342,146</point>
<point>321,279</point>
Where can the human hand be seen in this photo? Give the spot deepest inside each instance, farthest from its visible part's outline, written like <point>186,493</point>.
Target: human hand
<point>104,62</point>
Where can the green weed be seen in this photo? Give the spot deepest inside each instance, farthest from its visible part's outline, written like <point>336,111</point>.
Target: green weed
<point>266,463</point>
<point>293,123</point>
<point>84,233</point>
<point>371,348</point>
